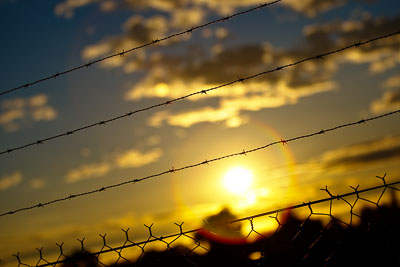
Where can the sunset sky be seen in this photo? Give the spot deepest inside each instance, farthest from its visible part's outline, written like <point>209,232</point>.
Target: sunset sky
<point>41,38</point>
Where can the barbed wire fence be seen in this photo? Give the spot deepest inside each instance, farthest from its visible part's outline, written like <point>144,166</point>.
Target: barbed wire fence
<point>295,241</point>
<point>132,49</point>
<point>298,241</point>
<point>201,92</point>
<point>201,163</point>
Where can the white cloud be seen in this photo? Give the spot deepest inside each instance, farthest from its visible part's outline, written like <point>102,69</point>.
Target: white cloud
<point>237,99</point>
<point>132,158</point>
<point>44,113</point>
<point>186,18</point>
<point>10,180</point>
<point>135,158</point>
<point>171,76</point>
<point>87,171</point>
<point>66,8</point>
<point>18,110</point>
<point>38,100</point>
<point>177,8</point>
<point>11,116</point>
<point>188,118</point>
<point>390,101</point>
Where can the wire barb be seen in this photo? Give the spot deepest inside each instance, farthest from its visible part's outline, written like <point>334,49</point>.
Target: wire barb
<point>313,241</point>
<point>173,170</point>
<point>88,64</point>
<point>240,79</point>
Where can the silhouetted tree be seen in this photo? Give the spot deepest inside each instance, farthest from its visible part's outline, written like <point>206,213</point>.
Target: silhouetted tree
<point>373,242</point>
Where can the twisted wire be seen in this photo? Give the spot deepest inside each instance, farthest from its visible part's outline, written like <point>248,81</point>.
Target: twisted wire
<point>205,91</point>
<point>124,52</point>
<point>205,162</point>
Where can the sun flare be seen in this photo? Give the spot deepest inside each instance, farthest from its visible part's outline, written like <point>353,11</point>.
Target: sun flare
<point>238,180</point>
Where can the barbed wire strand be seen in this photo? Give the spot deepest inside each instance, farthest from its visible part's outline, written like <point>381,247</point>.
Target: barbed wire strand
<point>128,243</point>
<point>205,162</point>
<point>205,91</point>
<point>124,52</point>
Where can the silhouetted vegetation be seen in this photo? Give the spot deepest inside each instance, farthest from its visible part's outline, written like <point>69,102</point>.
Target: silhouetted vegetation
<point>374,241</point>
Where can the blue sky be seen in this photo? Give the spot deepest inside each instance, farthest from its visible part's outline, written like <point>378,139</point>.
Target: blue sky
<point>41,38</point>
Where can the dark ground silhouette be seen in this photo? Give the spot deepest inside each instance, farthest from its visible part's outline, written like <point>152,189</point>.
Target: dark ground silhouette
<point>375,241</point>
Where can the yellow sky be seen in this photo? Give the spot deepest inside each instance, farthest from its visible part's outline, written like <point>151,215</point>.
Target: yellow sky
<point>345,87</point>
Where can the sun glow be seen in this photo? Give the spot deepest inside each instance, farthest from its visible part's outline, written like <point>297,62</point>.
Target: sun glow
<point>238,180</point>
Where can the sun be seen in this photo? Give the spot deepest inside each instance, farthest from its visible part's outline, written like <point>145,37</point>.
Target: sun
<point>238,180</point>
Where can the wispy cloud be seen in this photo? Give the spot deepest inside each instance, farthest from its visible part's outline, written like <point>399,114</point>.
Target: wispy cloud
<point>15,111</point>
<point>138,30</point>
<point>313,7</point>
<point>369,154</point>
<point>66,8</point>
<point>230,109</point>
<point>44,113</point>
<point>134,158</point>
<point>87,171</point>
<point>128,159</point>
<point>10,180</point>
<point>177,8</point>
<point>393,82</point>
<point>373,151</point>
<point>390,99</point>
<point>172,75</point>
<point>37,183</point>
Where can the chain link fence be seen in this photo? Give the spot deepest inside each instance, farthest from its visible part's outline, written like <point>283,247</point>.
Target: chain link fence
<point>359,228</point>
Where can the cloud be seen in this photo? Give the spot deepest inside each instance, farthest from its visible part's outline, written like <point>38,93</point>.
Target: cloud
<point>45,113</point>
<point>185,13</point>
<point>393,82</point>
<point>128,159</point>
<point>313,7</point>
<point>137,31</point>
<point>390,101</point>
<point>134,158</point>
<point>87,171</point>
<point>37,183</point>
<point>191,69</point>
<point>172,76</point>
<point>345,163</point>
<point>66,8</point>
<point>11,115</point>
<point>188,17</point>
<point>38,100</point>
<point>188,118</point>
<point>381,55</point>
<point>263,95</point>
<point>10,180</point>
<point>19,110</point>
<point>16,103</point>
<point>153,140</point>
<point>373,151</point>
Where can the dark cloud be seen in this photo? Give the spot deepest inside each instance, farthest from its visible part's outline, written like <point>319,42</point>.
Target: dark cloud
<point>373,156</point>
<point>191,68</point>
<point>388,102</point>
<point>308,7</point>
<point>374,151</point>
<point>394,98</point>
